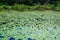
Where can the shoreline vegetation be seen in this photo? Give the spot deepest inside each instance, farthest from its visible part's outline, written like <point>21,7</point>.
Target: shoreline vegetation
<point>30,5</point>
<point>22,7</point>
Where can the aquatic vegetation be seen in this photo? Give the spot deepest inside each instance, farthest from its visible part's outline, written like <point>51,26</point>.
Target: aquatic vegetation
<point>15,25</point>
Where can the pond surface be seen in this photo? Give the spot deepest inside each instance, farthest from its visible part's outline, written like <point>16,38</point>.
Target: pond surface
<point>16,25</point>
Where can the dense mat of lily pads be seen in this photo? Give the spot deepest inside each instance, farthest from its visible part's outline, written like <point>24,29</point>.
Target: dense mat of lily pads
<point>16,25</point>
